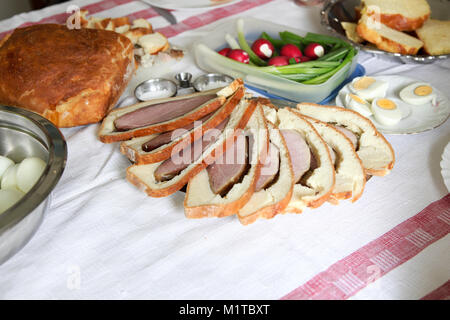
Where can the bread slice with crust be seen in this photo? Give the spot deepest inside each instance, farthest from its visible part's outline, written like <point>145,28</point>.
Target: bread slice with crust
<point>133,149</point>
<point>143,176</point>
<point>108,132</point>
<point>268,202</point>
<point>435,35</point>
<point>386,38</point>
<point>373,149</point>
<point>201,201</point>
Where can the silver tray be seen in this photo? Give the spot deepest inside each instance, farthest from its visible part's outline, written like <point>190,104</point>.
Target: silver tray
<point>336,11</point>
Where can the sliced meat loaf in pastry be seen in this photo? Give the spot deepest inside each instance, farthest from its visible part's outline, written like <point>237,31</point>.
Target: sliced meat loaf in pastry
<point>226,185</point>
<point>373,149</point>
<point>350,175</point>
<point>166,177</point>
<point>275,184</point>
<point>313,169</point>
<point>162,115</point>
<point>159,147</point>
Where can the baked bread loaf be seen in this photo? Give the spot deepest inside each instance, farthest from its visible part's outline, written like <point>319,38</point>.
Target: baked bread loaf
<point>71,77</point>
<point>401,15</point>
<point>372,148</point>
<point>435,35</point>
<point>386,38</point>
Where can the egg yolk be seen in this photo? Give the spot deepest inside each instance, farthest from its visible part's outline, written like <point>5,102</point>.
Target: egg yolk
<point>357,99</point>
<point>363,83</point>
<point>423,90</point>
<point>386,104</point>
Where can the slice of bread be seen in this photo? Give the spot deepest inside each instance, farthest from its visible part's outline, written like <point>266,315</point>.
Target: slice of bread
<point>202,202</point>
<point>271,201</point>
<point>436,36</point>
<point>375,152</point>
<point>401,15</point>
<point>351,33</point>
<point>153,43</point>
<point>386,38</point>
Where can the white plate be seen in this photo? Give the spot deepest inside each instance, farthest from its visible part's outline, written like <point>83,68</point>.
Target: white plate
<point>415,118</point>
<point>445,166</point>
<point>190,4</point>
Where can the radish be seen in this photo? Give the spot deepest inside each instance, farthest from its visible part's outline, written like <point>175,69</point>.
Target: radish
<point>304,59</point>
<point>224,51</point>
<point>291,51</point>
<point>263,48</point>
<point>314,51</point>
<point>278,61</point>
<point>239,55</point>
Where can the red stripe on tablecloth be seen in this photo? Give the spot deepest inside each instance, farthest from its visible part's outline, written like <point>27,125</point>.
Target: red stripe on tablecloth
<point>209,17</point>
<point>441,293</point>
<point>353,273</point>
<point>62,17</point>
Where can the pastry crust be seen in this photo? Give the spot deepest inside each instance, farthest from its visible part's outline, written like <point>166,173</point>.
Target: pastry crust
<point>71,77</point>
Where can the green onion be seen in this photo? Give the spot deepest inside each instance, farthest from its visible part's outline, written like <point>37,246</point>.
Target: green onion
<point>277,43</point>
<point>245,46</point>
<point>334,55</point>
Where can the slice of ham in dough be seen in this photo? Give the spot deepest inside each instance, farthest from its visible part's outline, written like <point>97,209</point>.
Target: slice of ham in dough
<point>270,168</point>
<point>299,152</point>
<point>348,134</point>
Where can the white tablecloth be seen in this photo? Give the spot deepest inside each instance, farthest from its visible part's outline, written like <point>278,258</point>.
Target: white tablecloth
<point>103,238</point>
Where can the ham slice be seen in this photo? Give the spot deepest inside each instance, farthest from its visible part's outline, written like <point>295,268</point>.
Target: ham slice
<point>270,168</point>
<point>167,137</point>
<point>174,165</point>
<point>160,112</point>
<point>348,134</point>
<point>229,167</point>
<point>299,152</point>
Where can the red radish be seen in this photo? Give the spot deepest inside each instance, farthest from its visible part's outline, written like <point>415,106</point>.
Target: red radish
<point>304,59</point>
<point>224,51</point>
<point>263,48</point>
<point>239,55</point>
<point>314,50</point>
<point>291,51</point>
<point>278,61</point>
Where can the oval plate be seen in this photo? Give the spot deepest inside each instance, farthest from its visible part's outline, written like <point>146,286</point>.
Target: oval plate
<point>336,11</point>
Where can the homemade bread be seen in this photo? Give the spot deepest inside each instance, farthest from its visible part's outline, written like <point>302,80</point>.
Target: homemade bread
<point>435,35</point>
<point>350,32</point>
<point>375,152</point>
<point>71,77</point>
<point>401,15</point>
<point>386,38</point>
<point>202,200</point>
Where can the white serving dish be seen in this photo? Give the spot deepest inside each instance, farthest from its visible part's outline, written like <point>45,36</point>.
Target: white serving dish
<point>207,58</point>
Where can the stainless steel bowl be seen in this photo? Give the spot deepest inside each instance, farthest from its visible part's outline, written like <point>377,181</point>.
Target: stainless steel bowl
<point>211,81</point>
<point>336,11</point>
<point>25,134</point>
<point>155,89</point>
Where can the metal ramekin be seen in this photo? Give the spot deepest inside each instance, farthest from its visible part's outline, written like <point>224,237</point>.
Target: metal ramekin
<point>205,80</point>
<point>23,134</point>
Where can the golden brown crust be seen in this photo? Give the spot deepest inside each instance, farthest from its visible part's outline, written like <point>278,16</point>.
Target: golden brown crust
<point>402,23</point>
<point>71,77</point>
<point>165,153</point>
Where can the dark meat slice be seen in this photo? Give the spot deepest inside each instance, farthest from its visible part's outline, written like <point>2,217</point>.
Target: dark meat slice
<point>160,112</point>
<point>299,152</point>
<point>270,168</point>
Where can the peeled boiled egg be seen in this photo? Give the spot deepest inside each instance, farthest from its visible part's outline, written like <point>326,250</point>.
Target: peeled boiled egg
<point>9,178</point>
<point>386,111</point>
<point>28,173</point>
<point>369,88</point>
<point>357,104</point>
<point>5,163</point>
<point>8,197</point>
<point>418,93</point>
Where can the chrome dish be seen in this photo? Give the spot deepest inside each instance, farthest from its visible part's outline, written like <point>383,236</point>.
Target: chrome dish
<point>336,11</point>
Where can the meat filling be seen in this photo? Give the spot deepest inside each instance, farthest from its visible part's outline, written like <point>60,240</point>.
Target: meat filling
<point>270,168</point>
<point>299,152</point>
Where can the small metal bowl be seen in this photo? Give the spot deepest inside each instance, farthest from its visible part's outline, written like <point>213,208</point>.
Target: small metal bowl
<point>25,134</point>
<point>211,81</point>
<point>155,89</point>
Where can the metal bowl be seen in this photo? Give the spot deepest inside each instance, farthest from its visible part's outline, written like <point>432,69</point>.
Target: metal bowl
<point>155,89</point>
<point>211,81</point>
<point>24,134</point>
<point>336,11</point>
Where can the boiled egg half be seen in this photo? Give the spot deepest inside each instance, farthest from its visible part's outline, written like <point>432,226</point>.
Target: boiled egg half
<point>386,111</point>
<point>369,88</point>
<point>418,93</point>
<point>355,103</point>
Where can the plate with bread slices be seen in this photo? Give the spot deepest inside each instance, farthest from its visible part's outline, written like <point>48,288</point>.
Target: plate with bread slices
<point>396,104</point>
<point>412,30</point>
<point>235,154</point>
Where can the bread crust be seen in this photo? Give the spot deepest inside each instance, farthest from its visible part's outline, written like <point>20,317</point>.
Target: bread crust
<point>140,157</point>
<point>402,23</point>
<point>71,77</point>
